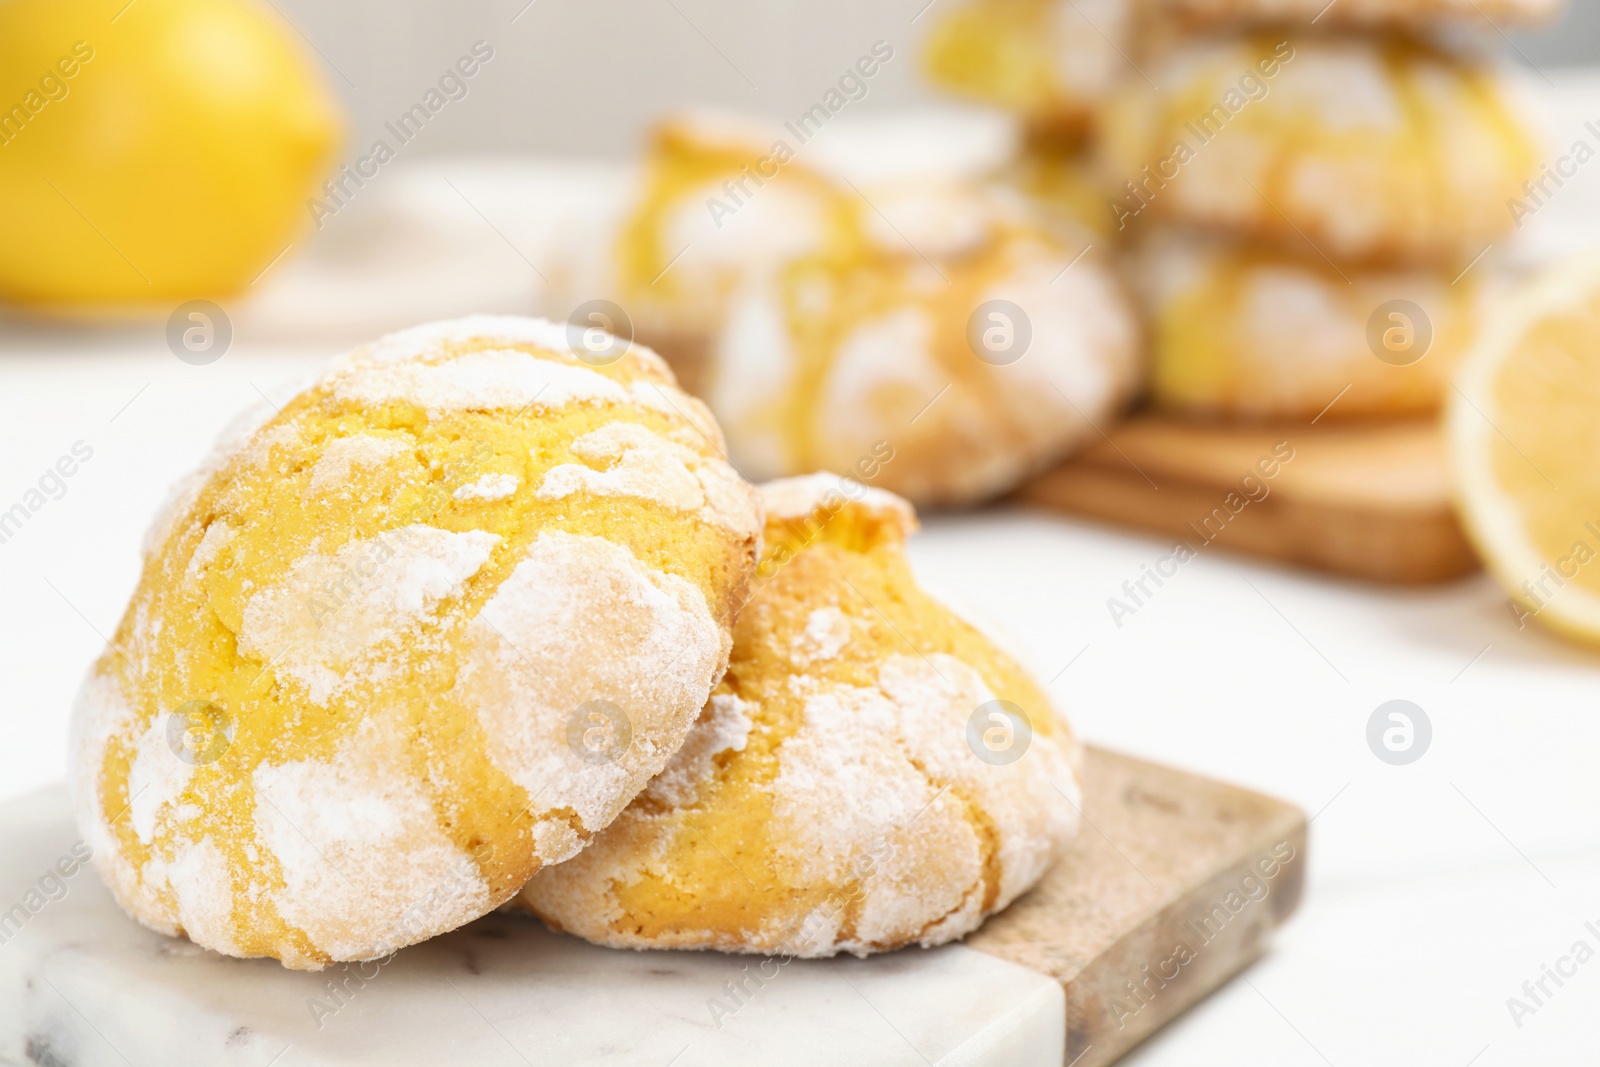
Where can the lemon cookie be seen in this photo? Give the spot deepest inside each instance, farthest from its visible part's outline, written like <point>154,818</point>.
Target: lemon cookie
<point>1051,61</point>
<point>401,643</point>
<point>1350,148</point>
<point>910,323</point>
<point>955,347</point>
<point>1253,332</point>
<point>722,200</point>
<point>871,773</point>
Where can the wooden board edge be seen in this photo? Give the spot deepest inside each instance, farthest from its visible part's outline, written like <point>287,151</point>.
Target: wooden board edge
<point>1166,964</point>
<point>1414,547</point>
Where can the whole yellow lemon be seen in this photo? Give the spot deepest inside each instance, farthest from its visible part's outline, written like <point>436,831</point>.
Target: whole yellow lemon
<point>152,150</point>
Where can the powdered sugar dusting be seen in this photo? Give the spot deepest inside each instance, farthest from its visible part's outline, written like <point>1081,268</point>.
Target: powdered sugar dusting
<point>202,888</point>
<point>350,827</point>
<point>242,440</point>
<point>156,778</point>
<point>838,753</point>
<point>802,496</point>
<point>496,379</point>
<point>731,502</point>
<point>852,808</point>
<point>827,632</point>
<point>435,337</point>
<point>343,456</point>
<point>580,619</point>
<point>628,459</point>
<point>1033,803</point>
<point>724,726</point>
<point>505,379</point>
<point>488,487</point>
<point>493,379</point>
<point>898,753</point>
<point>322,621</point>
<point>876,801</point>
<point>173,507</point>
<point>102,713</point>
<point>554,841</point>
<point>217,537</point>
<point>637,462</point>
<point>358,844</point>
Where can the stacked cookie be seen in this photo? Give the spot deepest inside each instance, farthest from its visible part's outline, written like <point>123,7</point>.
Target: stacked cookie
<point>1308,192</point>
<point>465,608</point>
<point>1053,64</point>
<point>1313,208</point>
<point>862,296</point>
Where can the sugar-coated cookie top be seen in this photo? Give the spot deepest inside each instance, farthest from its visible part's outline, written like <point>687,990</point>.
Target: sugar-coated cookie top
<point>1372,149</point>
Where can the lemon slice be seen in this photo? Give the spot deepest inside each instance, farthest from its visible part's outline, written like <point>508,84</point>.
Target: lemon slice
<point>1524,426</point>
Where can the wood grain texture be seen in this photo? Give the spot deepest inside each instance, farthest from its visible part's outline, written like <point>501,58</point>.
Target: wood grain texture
<point>1368,500</point>
<point>1173,886</point>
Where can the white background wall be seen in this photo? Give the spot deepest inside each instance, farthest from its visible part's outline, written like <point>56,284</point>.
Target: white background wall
<point>582,76</point>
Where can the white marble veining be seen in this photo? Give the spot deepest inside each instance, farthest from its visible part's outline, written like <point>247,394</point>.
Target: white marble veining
<point>82,985</point>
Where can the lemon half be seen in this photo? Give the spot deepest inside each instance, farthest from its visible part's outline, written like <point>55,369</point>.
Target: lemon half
<point>1524,427</point>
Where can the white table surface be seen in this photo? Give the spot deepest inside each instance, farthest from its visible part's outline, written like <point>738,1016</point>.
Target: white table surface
<point>1436,889</point>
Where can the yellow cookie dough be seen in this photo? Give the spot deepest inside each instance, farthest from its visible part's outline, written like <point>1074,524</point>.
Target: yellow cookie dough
<point>1354,149</point>
<point>871,773</point>
<point>1252,332</point>
<point>401,643</point>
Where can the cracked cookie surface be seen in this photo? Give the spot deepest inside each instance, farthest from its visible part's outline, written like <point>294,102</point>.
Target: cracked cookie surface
<point>1362,151</point>
<point>829,798</point>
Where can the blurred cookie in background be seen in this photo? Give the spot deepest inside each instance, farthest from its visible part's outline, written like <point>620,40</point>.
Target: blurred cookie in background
<point>1049,61</point>
<point>1062,180</point>
<point>1249,332</point>
<point>707,212</point>
<point>960,336</point>
<point>1369,149</point>
<point>1050,65</point>
<point>870,300</point>
<point>718,199</point>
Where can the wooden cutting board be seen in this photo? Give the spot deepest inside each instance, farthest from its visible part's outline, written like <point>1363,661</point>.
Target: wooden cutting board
<point>1173,885</point>
<point>1368,500</point>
